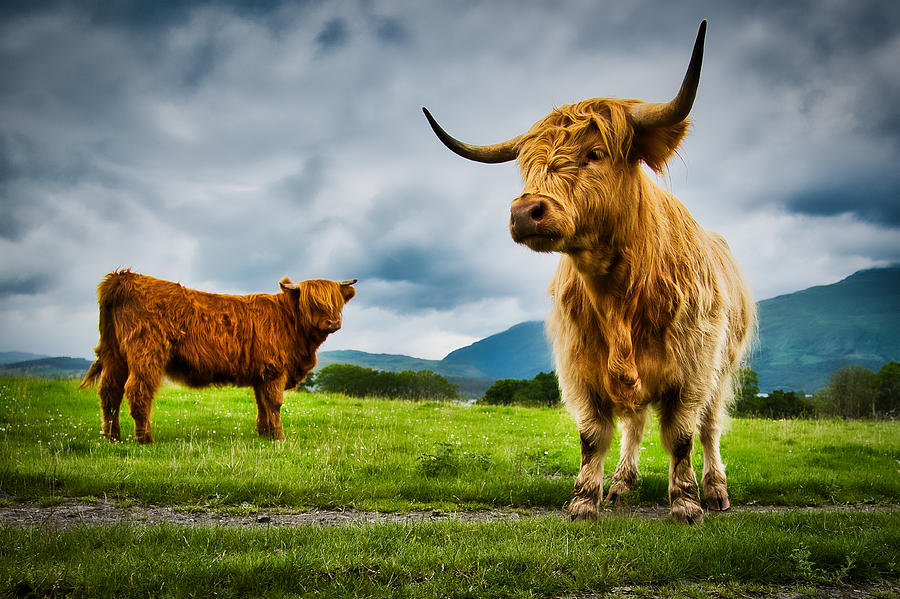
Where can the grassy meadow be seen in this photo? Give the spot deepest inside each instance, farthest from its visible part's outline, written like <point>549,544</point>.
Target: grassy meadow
<point>385,455</point>
<point>399,456</point>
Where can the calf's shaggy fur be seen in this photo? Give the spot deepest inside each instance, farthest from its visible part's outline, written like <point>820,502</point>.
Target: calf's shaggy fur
<point>150,328</point>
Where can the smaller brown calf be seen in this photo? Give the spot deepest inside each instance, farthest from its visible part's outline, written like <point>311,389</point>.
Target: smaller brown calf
<point>150,328</point>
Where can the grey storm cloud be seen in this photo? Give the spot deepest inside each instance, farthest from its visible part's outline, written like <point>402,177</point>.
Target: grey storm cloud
<point>227,144</point>
<point>333,35</point>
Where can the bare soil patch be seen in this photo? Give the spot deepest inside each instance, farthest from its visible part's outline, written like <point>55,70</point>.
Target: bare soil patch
<point>70,512</point>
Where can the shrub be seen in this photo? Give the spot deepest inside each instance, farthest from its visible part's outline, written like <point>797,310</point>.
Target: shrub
<point>358,381</point>
<point>542,390</point>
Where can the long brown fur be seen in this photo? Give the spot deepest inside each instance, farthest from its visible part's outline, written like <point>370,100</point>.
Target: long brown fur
<point>648,307</point>
<point>150,328</point>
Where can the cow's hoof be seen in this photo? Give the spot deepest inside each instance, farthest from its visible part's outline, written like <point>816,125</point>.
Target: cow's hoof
<point>144,439</point>
<point>686,511</point>
<point>716,496</point>
<point>617,493</point>
<point>718,503</point>
<point>582,508</point>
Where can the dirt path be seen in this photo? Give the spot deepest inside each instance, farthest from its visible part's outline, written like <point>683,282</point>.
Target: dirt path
<point>72,512</point>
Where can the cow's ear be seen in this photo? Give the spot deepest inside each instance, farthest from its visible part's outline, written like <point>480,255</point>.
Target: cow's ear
<point>347,290</point>
<point>655,146</point>
<point>287,286</point>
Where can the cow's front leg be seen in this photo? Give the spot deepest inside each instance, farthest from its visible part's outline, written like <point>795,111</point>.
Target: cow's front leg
<point>676,428</point>
<point>269,399</point>
<point>595,434</point>
<point>624,480</point>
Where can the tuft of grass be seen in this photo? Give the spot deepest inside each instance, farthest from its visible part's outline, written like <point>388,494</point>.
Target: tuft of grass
<point>384,455</point>
<point>532,558</point>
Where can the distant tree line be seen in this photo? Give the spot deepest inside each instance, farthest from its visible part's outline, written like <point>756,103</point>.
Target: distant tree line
<point>542,390</point>
<point>852,392</point>
<point>357,381</point>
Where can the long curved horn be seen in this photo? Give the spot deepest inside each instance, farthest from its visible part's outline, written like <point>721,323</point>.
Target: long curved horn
<point>663,114</point>
<point>502,152</point>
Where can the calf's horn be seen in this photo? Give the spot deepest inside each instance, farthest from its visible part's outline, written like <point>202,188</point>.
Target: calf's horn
<point>664,114</point>
<point>350,282</point>
<point>493,154</point>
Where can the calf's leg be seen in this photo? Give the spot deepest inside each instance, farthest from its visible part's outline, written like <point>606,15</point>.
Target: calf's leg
<point>112,388</point>
<point>625,478</point>
<point>269,399</point>
<point>140,388</point>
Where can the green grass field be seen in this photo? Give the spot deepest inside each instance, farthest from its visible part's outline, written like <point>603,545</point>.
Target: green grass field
<point>394,456</point>
<point>401,456</point>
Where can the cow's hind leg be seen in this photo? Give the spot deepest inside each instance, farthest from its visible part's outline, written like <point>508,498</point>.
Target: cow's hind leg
<point>678,419</point>
<point>625,478</point>
<point>595,434</point>
<point>715,489</point>
<point>112,388</point>
<point>269,398</point>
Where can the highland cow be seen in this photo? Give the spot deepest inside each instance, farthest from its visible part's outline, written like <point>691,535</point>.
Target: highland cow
<point>649,309</point>
<point>150,328</point>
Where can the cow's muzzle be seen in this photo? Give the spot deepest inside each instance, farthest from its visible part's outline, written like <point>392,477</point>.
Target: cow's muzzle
<point>529,219</point>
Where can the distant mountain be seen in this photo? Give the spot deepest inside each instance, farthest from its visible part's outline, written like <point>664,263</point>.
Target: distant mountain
<point>393,362</point>
<point>519,352</point>
<point>8,357</point>
<point>807,335</point>
<point>60,367</point>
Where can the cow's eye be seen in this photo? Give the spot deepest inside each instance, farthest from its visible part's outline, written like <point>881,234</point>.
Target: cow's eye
<point>594,155</point>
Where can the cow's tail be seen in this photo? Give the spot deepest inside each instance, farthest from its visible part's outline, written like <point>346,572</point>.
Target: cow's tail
<point>111,292</point>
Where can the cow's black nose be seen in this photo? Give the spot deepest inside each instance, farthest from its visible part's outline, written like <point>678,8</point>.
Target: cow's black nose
<point>526,215</point>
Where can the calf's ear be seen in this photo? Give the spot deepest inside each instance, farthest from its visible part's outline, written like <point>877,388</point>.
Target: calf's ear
<point>656,145</point>
<point>347,291</point>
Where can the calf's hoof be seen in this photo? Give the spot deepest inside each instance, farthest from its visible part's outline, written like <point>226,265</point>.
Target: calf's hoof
<point>144,439</point>
<point>270,434</point>
<point>686,511</point>
<point>582,508</point>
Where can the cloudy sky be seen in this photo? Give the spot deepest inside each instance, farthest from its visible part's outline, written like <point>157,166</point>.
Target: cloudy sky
<point>225,145</point>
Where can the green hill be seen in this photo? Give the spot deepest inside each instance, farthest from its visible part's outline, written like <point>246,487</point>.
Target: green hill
<point>519,352</point>
<point>9,357</point>
<point>807,335</point>
<point>59,367</point>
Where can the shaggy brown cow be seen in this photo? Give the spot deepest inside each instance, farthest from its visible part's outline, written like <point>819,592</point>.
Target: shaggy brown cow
<point>648,307</point>
<point>150,327</point>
